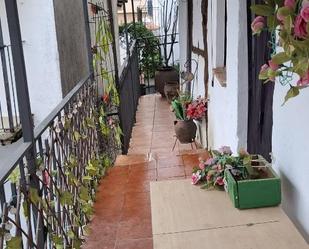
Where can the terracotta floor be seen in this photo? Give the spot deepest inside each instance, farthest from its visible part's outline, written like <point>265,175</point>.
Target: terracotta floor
<point>122,217</point>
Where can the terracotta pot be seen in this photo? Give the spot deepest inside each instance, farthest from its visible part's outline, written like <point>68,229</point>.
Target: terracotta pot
<point>163,75</point>
<point>185,131</point>
<point>171,90</point>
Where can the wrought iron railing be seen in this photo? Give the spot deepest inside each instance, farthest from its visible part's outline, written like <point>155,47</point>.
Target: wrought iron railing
<point>130,92</point>
<point>9,118</point>
<point>46,196</point>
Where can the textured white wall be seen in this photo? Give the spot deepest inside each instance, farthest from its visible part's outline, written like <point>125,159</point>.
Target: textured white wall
<point>290,152</point>
<point>228,107</point>
<point>41,54</point>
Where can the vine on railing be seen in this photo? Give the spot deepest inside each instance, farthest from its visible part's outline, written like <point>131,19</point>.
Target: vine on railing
<point>48,198</point>
<point>103,63</point>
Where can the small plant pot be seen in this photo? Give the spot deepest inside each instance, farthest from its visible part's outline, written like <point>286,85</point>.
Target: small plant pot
<point>163,75</point>
<point>185,131</point>
<point>254,193</point>
<point>171,90</point>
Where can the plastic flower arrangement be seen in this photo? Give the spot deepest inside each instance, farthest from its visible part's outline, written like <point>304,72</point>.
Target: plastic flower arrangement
<point>185,108</point>
<point>289,19</point>
<point>210,172</point>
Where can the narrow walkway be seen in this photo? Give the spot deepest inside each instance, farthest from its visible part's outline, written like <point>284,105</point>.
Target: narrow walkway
<point>122,217</point>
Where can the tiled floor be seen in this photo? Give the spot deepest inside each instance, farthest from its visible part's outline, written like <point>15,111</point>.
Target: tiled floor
<point>122,217</point>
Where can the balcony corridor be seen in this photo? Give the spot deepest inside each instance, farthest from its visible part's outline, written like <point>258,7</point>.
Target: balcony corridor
<point>122,217</point>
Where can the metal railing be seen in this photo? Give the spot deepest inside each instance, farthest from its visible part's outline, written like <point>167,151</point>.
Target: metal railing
<point>46,195</point>
<point>129,94</point>
<point>9,118</point>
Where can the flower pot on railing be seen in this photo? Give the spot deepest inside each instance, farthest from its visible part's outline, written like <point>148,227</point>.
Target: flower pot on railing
<point>163,75</point>
<point>185,131</point>
<point>171,90</point>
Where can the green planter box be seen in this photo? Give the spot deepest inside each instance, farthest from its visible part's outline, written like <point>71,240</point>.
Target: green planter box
<point>254,193</point>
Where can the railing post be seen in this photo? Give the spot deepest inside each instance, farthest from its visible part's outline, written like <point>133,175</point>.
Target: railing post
<point>19,70</point>
<point>24,103</point>
<point>6,81</point>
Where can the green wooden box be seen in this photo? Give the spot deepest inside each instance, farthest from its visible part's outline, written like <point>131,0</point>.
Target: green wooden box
<point>254,193</point>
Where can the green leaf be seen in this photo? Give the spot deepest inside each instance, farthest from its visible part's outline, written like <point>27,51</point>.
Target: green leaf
<point>14,243</point>
<point>76,136</point>
<point>84,194</point>
<point>262,10</point>
<point>280,58</point>
<point>34,196</point>
<point>285,11</point>
<point>272,22</point>
<point>66,198</point>
<point>15,176</point>
<point>293,92</point>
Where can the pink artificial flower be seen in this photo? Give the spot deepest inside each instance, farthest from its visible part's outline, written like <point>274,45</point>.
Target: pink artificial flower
<point>305,12</point>
<point>46,177</point>
<point>264,68</point>
<point>304,81</point>
<point>273,66</point>
<point>289,3</point>
<point>202,165</point>
<point>208,178</point>
<point>258,24</point>
<point>196,177</point>
<point>300,27</point>
<point>209,161</point>
<point>220,181</point>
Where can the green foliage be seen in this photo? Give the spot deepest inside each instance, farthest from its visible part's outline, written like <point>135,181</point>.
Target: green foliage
<point>179,105</point>
<point>150,57</point>
<point>14,243</point>
<point>293,58</point>
<point>14,176</point>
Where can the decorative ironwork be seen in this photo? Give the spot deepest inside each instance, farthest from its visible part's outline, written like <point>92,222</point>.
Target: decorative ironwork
<point>46,201</point>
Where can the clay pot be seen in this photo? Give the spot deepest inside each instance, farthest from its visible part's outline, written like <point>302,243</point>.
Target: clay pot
<point>163,75</point>
<point>171,90</point>
<point>185,131</point>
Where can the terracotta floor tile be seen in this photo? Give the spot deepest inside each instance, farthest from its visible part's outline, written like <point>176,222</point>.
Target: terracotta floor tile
<point>191,160</point>
<point>137,175</point>
<point>98,244</point>
<point>133,187</point>
<point>143,166</point>
<point>136,200</point>
<point>129,159</point>
<point>170,162</point>
<point>134,230</point>
<point>166,173</point>
<point>122,218</point>
<point>135,244</point>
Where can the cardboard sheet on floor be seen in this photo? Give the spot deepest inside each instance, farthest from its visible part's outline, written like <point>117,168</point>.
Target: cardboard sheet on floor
<point>187,217</point>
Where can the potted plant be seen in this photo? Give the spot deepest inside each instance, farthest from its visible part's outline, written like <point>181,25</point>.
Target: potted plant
<point>166,72</point>
<point>186,110</point>
<point>249,179</point>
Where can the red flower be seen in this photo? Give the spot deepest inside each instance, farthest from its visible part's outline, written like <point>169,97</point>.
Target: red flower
<point>105,98</point>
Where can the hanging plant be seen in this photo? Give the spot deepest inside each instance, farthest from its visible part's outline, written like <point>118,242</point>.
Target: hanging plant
<point>288,23</point>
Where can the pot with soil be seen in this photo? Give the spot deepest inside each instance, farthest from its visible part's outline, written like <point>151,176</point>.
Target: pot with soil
<point>171,90</point>
<point>185,131</point>
<point>163,75</point>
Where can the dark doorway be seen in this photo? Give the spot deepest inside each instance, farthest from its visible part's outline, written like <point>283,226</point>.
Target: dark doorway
<point>260,114</point>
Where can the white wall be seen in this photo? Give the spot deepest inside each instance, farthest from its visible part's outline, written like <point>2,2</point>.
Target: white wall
<point>290,152</point>
<point>228,107</point>
<point>41,54</point>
